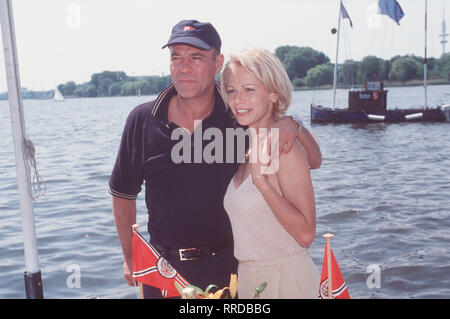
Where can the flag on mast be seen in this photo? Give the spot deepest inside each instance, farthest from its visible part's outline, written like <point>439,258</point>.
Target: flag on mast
<point>345,15</point>
<point>391,8</point>
<point>339,288</point>
<point>150,268</point>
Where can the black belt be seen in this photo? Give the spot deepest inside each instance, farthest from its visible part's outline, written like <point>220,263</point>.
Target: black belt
<point>188,253</point>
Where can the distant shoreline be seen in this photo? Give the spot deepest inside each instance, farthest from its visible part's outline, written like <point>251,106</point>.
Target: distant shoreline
<point>307,68</point>
<point>387,84</point>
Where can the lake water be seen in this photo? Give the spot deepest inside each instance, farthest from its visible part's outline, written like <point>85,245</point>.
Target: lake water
<point>383,190</point>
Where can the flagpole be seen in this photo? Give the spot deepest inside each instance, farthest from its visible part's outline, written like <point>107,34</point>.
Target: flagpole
<point>425,57</point>
<point>328,237</point>
<point>135,227</point>
<point>32,275</point>
<point>337,53</point>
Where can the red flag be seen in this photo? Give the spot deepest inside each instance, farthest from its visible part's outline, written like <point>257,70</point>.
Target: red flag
<point>150,268</point>
<point>339,287</point>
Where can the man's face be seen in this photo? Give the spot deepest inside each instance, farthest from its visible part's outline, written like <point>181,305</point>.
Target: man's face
<point>193,70</point>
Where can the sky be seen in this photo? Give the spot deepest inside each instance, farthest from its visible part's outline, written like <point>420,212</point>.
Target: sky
<point>69,40</point>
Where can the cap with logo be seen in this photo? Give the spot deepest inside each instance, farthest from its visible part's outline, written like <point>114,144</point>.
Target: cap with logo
<point>201,35</point>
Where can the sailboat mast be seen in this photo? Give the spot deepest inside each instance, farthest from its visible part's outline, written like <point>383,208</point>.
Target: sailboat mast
<point>33,280</point>
<point>337,54</point>
<point>425,58</point>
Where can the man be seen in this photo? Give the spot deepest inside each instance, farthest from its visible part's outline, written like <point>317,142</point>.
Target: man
<point>187,222</point>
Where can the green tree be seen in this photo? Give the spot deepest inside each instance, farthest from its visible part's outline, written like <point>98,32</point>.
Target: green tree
<point>297,83</point>
<point>369,69</point>
<point>384,69</point>
<point>95,78</point>
<point>80,91</point>
<point>91,91</point>
<point>348,72</point>
<point>281,52</point>
<point>114,89</point>
<point>444,66</point>
<point>128,88</point>
<point>298,60</point>
<point>103,86</point>
<point>433,67</point>
<point>68,88</point>
<point>405,69</point>
<point>320,75</point>
<point>113,76</point>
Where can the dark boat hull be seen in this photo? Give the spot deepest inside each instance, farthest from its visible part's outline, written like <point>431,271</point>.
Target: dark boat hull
<point>321,114</point>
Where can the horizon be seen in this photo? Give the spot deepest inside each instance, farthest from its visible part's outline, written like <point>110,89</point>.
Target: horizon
<point>61,41</point>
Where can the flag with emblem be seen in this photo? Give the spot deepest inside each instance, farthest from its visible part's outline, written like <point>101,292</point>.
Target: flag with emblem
<point>150,268</point>
<point>331,269</point>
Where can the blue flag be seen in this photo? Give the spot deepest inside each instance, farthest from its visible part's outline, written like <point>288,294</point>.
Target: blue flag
<point>345,15</point>
<point>392,9</point>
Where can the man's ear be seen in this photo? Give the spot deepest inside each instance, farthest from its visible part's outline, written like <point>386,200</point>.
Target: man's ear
<point>219,62</point>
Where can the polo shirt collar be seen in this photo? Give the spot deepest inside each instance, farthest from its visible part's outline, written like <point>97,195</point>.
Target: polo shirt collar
<point>161,106</point>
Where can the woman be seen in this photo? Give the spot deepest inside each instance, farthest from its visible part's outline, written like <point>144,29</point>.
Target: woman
<point>272,213</point>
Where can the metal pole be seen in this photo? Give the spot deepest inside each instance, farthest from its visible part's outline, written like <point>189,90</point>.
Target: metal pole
<point>425,58</point>
<point>337,53</point>
<point>32,276</point>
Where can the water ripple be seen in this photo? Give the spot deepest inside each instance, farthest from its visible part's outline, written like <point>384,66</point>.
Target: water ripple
<point>383,190</point>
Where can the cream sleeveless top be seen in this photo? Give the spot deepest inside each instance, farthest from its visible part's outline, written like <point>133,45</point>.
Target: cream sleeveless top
<point>256,231</point>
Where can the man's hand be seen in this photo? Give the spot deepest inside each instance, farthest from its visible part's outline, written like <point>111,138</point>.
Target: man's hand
<point>127,273</point>
<point>125,217</point>
<point>289,131</point>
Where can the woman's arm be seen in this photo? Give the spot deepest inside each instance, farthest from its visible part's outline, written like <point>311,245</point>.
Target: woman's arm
<point>295,210</point>
<point>311,147</point>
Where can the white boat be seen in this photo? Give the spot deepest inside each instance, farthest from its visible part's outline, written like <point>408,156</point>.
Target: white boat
<point>58,95</point>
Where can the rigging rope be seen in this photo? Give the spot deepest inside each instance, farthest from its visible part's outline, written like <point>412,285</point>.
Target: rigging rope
<point>37,186</point>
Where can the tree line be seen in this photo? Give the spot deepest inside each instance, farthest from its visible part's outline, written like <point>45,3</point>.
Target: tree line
<point>307,67</point>
<point>115,83</point>
<point>106,83</point>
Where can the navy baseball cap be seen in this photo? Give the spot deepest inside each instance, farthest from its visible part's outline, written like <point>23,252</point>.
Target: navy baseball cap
<point>198,34</point>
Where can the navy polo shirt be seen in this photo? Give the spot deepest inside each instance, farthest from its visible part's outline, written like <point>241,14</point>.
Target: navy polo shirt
<point>184,200</point>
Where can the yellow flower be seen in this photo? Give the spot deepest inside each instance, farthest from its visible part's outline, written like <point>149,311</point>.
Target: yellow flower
<point>192,292</point>
<point>217,294</point>
<point>233,285</point>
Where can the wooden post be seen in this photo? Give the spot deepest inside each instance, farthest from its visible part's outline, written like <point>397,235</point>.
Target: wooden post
<point>141,288</point>
<point>328,237</point>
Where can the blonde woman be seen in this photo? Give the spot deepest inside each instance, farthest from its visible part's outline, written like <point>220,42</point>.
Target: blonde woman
<point>273,214</point>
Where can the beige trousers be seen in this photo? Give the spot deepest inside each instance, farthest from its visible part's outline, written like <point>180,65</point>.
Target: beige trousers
<point>293,277</point>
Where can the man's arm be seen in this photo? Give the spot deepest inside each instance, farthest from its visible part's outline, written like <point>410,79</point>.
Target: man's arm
<point>289,131</point>
<point>125,217</point>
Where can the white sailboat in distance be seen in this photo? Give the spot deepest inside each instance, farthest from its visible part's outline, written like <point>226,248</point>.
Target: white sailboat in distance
<point>58,95</point>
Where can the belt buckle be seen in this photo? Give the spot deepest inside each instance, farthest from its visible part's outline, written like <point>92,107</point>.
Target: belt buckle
<point>181,252</point>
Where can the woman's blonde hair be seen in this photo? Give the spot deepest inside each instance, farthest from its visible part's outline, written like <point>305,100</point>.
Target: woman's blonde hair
<point>269,70</point>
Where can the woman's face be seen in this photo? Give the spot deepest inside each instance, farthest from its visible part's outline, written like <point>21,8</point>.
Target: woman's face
<point>251,103</point>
